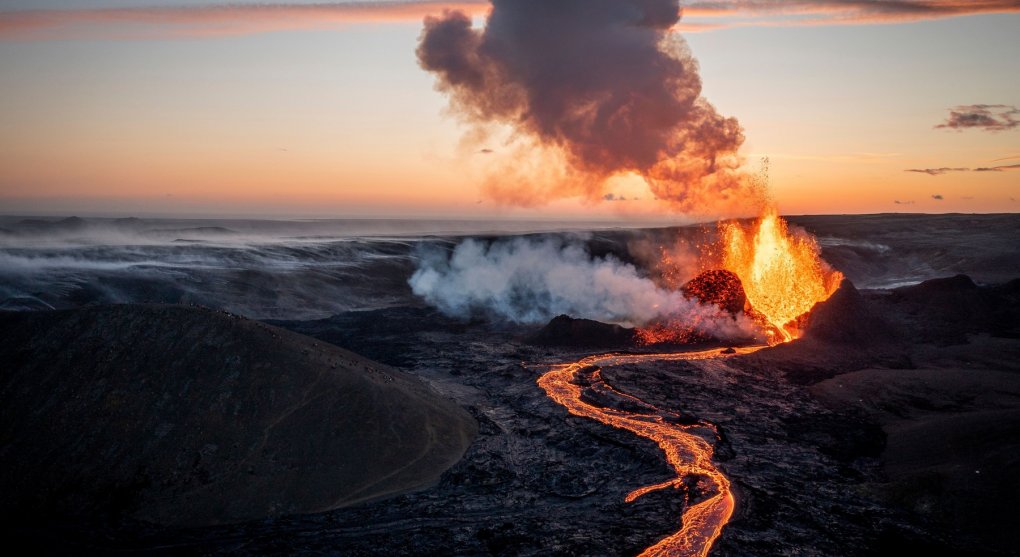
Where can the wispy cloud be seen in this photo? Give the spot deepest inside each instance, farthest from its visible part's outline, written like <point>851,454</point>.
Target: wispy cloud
<point>213,20</point>
<point>998,168</point>
<point>242,18</point>
<point>936,171</point>
<point>908,202</point>
<point>937,197</point>
<point>988,117</point>
<point>946,170</point>
<point>787,13</point>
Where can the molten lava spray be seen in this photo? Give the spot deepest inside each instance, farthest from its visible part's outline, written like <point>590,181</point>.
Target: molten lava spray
<point>782,273</point>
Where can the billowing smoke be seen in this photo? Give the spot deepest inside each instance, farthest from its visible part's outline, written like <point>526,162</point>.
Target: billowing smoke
<point>604,85</point>
<point>532,280</point>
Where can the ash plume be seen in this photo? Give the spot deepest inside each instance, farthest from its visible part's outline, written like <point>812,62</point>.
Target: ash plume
<point>594,88</point>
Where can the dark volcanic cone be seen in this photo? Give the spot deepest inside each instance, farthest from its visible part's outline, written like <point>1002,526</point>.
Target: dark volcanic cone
<point>564,330</point>
<point>720,287</point>
<point>183,416</point>
<point>845,319</point>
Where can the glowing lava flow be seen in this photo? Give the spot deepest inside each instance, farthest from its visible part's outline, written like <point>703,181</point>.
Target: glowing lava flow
<point>782,273</point>
<point>687,452</point>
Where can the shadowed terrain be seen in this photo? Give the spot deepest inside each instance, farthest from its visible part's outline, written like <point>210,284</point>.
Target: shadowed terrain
<point>186,416</point>
<point>888,429</point>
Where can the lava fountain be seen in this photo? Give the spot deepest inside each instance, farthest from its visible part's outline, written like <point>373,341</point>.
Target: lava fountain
<point>782,273</point>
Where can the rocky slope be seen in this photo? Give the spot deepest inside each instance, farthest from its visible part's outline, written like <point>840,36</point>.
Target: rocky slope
<point>184,416</point>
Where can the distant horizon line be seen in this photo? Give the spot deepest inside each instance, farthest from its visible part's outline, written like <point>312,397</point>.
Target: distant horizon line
<point>455,218</point>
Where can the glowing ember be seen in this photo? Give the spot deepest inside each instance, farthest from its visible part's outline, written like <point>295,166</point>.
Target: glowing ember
<point>782,273</point>
<point>673,331</point>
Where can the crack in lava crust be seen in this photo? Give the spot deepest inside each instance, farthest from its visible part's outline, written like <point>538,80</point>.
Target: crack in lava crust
<point>687,452</point>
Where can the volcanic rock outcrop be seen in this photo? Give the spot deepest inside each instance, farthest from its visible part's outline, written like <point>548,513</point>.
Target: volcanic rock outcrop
<point>717,286</point>
<point>945,310</point>
<point>183,416</point>
<point>564,330</point>
<point>845,319</point>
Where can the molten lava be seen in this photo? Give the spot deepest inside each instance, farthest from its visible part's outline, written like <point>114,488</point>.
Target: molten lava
<point>688,448</point>
<point>782,273</point>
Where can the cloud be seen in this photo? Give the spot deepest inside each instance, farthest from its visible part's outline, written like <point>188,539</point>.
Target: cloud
<point>213,20</point>
<point>898,202</point>
<point>243,18</point>
<point>937,197</point>
<point>936,171</point>
<point>791,13</point>
<point>945,170</point>
<point>998,168</point>
<point>988,117</point>
<point>613,197</point>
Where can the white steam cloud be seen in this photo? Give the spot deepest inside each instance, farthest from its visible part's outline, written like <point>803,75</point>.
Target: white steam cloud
<point>532,280</point>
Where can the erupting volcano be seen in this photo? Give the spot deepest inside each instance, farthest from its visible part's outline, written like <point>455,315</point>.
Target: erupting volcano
<point>760,269</point>
<point>782,273</point>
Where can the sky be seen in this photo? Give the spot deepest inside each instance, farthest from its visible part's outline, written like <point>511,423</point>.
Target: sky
<point>320,109</point>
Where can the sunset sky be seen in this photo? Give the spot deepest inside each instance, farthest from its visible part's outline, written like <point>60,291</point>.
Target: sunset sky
<point>320,109</point>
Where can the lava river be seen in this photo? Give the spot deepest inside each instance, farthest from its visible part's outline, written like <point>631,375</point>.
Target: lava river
<point>685,444</point>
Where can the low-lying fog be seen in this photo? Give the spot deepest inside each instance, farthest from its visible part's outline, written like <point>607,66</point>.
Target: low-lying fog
<point>509,270</point>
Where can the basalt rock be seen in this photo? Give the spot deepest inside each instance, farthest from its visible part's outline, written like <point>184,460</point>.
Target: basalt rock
<point>564,330</point>
<point>945,310</point>
<point>844,318</point>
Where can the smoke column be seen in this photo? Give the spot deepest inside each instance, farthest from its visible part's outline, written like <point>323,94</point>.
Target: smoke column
<point>606,86</point>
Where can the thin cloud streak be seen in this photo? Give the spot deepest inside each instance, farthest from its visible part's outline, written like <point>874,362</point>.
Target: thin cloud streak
<point>998,168</point>
<point>245,19</point>
<point>213,20</point>
<point>946,170</point>
<point>804,13</point>
<point>936,171</point>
